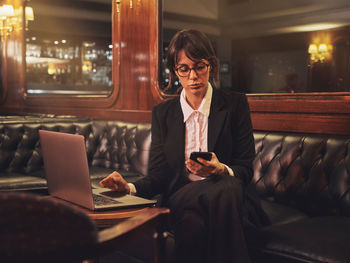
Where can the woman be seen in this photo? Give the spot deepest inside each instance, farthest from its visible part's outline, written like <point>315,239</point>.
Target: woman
<point>207,198</point>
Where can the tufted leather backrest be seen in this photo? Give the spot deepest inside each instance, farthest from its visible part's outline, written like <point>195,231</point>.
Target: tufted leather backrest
<point>310,172</point>
<point>109,144</point>
<point>119,145</point>
<point>307,171</point>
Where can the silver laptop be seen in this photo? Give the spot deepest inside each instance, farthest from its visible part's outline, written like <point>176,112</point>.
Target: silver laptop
<point>68,178</point>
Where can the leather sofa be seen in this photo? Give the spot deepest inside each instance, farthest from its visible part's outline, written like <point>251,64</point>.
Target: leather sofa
<point>304,183</point>
<point>302,179</point>
<point>110,145</point>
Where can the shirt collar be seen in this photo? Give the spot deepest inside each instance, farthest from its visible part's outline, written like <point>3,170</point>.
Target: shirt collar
<point>204,108</point>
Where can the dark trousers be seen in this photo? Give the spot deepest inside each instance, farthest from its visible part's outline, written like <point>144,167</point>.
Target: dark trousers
<point>206,218</point>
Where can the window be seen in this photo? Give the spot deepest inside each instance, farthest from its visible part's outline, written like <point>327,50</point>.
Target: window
<point>69,48</point>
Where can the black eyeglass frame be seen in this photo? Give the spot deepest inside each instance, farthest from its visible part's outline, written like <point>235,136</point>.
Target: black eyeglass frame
<point>193,68</point>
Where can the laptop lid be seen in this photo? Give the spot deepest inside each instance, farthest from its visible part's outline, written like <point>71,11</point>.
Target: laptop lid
<point>67,172</point>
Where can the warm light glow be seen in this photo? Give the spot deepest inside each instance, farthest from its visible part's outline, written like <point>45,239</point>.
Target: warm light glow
<point>87,66</point>
<point>322,48</point>
<point>117,3</point>
<point>131,4</point>
<point>311,27</point>
<point>6,11</point>
<point>312,49</point>
<point>29,13</point>
<point>51,70</point>
<point>320,52</point>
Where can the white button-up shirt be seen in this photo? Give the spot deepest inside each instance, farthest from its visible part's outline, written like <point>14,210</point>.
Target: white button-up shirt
<point>196,133</point>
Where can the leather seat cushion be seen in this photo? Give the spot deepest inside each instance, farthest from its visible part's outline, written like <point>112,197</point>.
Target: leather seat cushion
<point>37,181</point>
<point>281,214</point>
<point>320,239</point>
<point>18,182</point>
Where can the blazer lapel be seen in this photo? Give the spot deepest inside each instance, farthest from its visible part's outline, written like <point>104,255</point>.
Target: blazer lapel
<point>176,137</point>
<point>216,119</point>
<point>175,146</point>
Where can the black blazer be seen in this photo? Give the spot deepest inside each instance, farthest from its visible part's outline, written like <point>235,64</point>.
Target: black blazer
<point>230,136</point>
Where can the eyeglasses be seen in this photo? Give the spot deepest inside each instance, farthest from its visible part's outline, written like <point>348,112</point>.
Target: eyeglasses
<point>200,68</point>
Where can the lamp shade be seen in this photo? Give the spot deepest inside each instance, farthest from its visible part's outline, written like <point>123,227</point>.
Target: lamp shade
<point>6,10</point>
<point>322,48</point>
<point>312,49</point>
<point>29,13</point>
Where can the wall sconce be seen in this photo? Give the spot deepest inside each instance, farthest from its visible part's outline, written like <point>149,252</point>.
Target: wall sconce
<point>6,13</point>
<point>118,2</point>
<point>320,52</point>
<point>11,20</point>
<point>29,15</point>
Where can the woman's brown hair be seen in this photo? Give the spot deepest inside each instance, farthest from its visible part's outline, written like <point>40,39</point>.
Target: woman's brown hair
<point>196,46</point>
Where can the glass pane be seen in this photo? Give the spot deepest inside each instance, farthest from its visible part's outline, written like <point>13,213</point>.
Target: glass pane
<point>268,46</point>
<point>276,72</point>
<point>164,79</point>
<point>68,47</point>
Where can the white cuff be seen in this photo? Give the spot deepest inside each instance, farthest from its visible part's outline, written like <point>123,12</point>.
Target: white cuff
<point>229,170</point>
<point>132,189</point>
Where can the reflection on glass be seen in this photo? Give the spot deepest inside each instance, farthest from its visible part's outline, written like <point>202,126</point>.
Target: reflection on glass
<point>272,47</point>
<point>175,85</point>
<point>67,67</point>
<point>277,72</point>
<point>66,53</point>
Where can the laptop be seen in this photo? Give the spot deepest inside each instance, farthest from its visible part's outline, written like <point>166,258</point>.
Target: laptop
<point>68,178</point>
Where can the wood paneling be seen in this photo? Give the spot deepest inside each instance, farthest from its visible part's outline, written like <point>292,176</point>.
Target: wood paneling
<point>291,122</point>
<point>312,113</point>
<point>12,50</point>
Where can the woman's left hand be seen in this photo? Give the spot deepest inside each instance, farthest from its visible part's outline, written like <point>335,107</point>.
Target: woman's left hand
<point>206,168</point>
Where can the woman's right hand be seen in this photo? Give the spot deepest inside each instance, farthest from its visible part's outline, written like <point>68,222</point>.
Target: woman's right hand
<point>115,182</point>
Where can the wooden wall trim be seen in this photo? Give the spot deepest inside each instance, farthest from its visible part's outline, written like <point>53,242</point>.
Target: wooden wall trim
<point>304,123</point>
<point>139,116</point>
<point>323,113</point>
<point>330,103</point>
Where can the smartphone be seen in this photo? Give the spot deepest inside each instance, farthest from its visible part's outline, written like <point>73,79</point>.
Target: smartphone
<point>204,155</point>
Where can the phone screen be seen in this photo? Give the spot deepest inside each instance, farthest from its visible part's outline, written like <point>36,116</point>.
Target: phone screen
<point>204,155</point>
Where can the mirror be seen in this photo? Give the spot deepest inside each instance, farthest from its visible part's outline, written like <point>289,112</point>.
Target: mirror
<point>68,47</point>
<point>269,47</point>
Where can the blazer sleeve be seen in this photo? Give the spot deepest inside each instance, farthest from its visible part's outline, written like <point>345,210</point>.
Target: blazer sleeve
<point>159,172</point>
<point>243,152</point>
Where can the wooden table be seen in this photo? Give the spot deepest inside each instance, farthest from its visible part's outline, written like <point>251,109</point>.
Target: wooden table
<point>122,228</point>
<point>139,226</point>
<point>109,218</point>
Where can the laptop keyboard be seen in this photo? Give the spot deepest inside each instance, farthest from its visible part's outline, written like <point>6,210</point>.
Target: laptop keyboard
<point>100,200</point>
